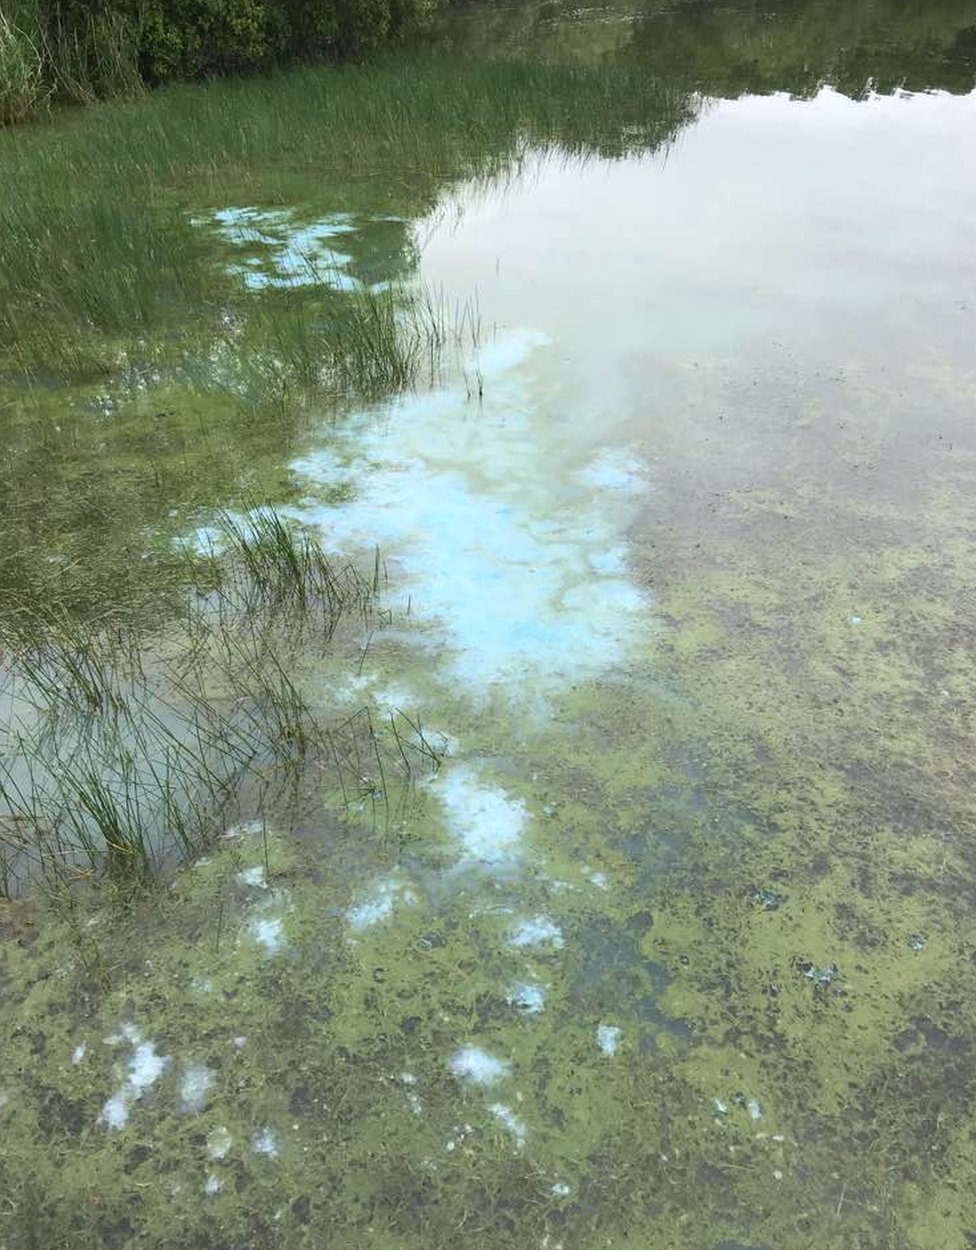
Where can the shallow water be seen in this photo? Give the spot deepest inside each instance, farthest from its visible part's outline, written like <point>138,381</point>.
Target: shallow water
<point>674,946</point>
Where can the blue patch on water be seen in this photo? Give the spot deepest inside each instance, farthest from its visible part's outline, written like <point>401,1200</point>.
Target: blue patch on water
<point>519,565</point>
<point>294,253</point>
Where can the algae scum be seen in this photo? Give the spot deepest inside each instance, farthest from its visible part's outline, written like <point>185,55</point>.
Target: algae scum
<point>579,852</point>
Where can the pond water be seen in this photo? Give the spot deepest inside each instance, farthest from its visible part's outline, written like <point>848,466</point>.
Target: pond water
<point>669,943</point>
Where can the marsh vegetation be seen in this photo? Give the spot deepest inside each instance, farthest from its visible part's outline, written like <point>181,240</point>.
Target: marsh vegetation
<point>127,751</point>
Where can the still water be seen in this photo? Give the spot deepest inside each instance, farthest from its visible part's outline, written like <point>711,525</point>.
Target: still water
<point>672,946</point>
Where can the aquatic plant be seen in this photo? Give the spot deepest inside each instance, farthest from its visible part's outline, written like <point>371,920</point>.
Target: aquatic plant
<point>285,567</point>
<point>124,751</point>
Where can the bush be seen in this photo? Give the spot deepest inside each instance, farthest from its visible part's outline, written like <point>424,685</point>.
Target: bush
<point>348,27</point>
<point>82,49</point>
<point>193,38</point>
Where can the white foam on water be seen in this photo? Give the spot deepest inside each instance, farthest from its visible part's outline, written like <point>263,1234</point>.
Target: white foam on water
<point>409,1079</point>
<point>264,1142</point>
<point>537,931</point>
<point>253,877</point>
<point>219,1142</point>
<point>390,700</point>
<point>608,1038</point>
<point>79,1053</point>
<point>382,899</point>
<point>115,1113</point>
<point>486,822</point>
<point>614,469</point>
<point>611,561</point>
<point>213,1186</point>
<point>145,1067</point>
<point>245,829</point>
<point>475,1066</point>
<point>268,931</point>
<point>511,1121</point>
<point>195,1088</point>
<point>127,1033</point>
<point>289,252</point>
<point>530,997</point>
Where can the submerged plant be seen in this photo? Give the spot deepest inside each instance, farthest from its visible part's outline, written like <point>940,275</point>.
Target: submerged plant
<point>125,749</point>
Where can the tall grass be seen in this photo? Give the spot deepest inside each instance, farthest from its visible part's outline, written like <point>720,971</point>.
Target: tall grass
<point>93,58</point>
<point>23,89</point>
<point>285,570</point>
<point>44,57</point>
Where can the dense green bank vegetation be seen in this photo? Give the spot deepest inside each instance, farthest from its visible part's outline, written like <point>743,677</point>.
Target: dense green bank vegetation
<point>729,50</point>
<point>77,50</point>
<point>872,45</point>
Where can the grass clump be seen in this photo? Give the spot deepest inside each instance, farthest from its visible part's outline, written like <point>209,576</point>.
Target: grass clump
<point>22,86</point>
<point>284,567</point>
<point>50,51</point>
<point>123,753</point>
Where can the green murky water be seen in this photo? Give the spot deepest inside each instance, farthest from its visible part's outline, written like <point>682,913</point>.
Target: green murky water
<point>673,949</point>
